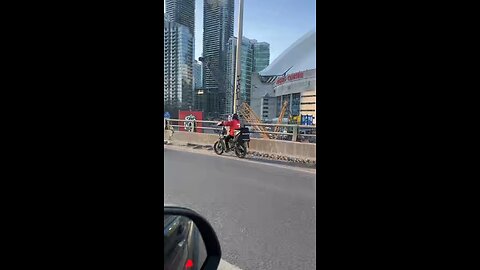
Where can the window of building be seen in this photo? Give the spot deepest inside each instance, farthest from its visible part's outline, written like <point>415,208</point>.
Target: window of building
<point>295,104</point>
<point>286,98</point>
<point>279,105</point>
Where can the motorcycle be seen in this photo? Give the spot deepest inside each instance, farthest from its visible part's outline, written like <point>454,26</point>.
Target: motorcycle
<point>239,143</point>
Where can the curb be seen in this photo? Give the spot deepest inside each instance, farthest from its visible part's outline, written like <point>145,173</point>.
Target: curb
<point>255,154</point>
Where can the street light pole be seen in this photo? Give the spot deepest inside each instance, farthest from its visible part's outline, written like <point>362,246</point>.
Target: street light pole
<point>236,91</point>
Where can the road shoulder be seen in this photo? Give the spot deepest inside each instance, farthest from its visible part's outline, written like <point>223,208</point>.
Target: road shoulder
<point>201,150</point>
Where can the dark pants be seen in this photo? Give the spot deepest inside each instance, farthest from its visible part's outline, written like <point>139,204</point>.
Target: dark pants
<point>227,139</point>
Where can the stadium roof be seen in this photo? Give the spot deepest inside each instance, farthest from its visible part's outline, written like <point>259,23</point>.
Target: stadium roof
<point>300,56</point>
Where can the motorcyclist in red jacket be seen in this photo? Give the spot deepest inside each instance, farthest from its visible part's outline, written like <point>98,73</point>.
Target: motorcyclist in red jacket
<point>234,124</point>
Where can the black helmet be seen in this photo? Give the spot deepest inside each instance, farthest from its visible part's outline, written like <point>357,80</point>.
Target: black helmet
<point>235,116</point>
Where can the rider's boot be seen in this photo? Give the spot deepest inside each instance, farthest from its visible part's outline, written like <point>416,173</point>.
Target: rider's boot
<point>227,145</point>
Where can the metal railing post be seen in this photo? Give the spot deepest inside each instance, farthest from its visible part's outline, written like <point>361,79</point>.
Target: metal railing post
<point>295,132</point>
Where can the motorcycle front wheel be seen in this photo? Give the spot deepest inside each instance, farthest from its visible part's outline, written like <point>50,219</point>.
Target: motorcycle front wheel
<point>241,150</point>
<point>218,148</point>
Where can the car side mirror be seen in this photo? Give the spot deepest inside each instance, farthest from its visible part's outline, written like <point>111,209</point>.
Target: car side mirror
<point>189,240</point>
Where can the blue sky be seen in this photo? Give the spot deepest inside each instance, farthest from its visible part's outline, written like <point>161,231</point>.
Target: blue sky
<point>278,22</point>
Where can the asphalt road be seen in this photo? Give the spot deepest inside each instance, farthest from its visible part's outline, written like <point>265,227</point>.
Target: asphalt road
<point>264,215</point>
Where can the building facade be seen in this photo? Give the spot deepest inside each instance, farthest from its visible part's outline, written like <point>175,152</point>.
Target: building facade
<point>263,100</point>
<point>182,12</point>
<point>178,60</point>
<point>299,89</point>
<point>197,75</point>
<point>261,55</point>
<point>218,18</point>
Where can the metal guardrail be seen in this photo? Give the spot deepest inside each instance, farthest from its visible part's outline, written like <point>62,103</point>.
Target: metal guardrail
<point>295,134</point>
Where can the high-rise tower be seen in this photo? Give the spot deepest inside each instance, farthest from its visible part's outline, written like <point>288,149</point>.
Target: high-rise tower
<point>218,19</point>
<point>177,66</point>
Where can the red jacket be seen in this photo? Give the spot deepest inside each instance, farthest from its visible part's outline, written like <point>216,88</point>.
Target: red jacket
<point>234,124</point>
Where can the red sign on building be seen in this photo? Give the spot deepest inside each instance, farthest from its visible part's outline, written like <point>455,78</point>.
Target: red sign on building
<point>281,80</point>
<point>291,77</point>
<point>190,115</point>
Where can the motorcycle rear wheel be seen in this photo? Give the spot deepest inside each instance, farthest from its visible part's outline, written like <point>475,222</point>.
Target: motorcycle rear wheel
<point>241,150</point>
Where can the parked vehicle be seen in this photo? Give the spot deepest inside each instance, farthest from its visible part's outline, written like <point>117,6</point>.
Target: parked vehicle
<point>176,233</point>
<point>189,241</point>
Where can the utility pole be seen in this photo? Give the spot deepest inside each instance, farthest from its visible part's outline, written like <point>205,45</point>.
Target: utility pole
<point>236,91</point>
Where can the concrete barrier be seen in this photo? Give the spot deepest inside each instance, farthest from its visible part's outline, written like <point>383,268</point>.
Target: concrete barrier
<point>285,148</point>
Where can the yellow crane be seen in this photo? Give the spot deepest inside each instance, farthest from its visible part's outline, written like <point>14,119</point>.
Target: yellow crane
<point>280,117</point>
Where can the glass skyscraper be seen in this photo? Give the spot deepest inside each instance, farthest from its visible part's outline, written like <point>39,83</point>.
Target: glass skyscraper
<point>177,70</point>
<point>255,56</point>
<point>218,19</point>
<point>261,55</point>
<point>246,65</point>
<point>179,40</point>
<point>182,12</point>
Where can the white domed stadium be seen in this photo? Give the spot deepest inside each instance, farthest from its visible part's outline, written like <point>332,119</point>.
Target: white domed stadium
<point>290,77</point>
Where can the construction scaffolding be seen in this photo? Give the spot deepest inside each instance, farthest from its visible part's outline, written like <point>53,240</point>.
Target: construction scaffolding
<point>250,117</point>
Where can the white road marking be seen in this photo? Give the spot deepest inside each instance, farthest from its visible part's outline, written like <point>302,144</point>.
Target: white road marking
<point>224,265</point>
<point>185,149</point>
